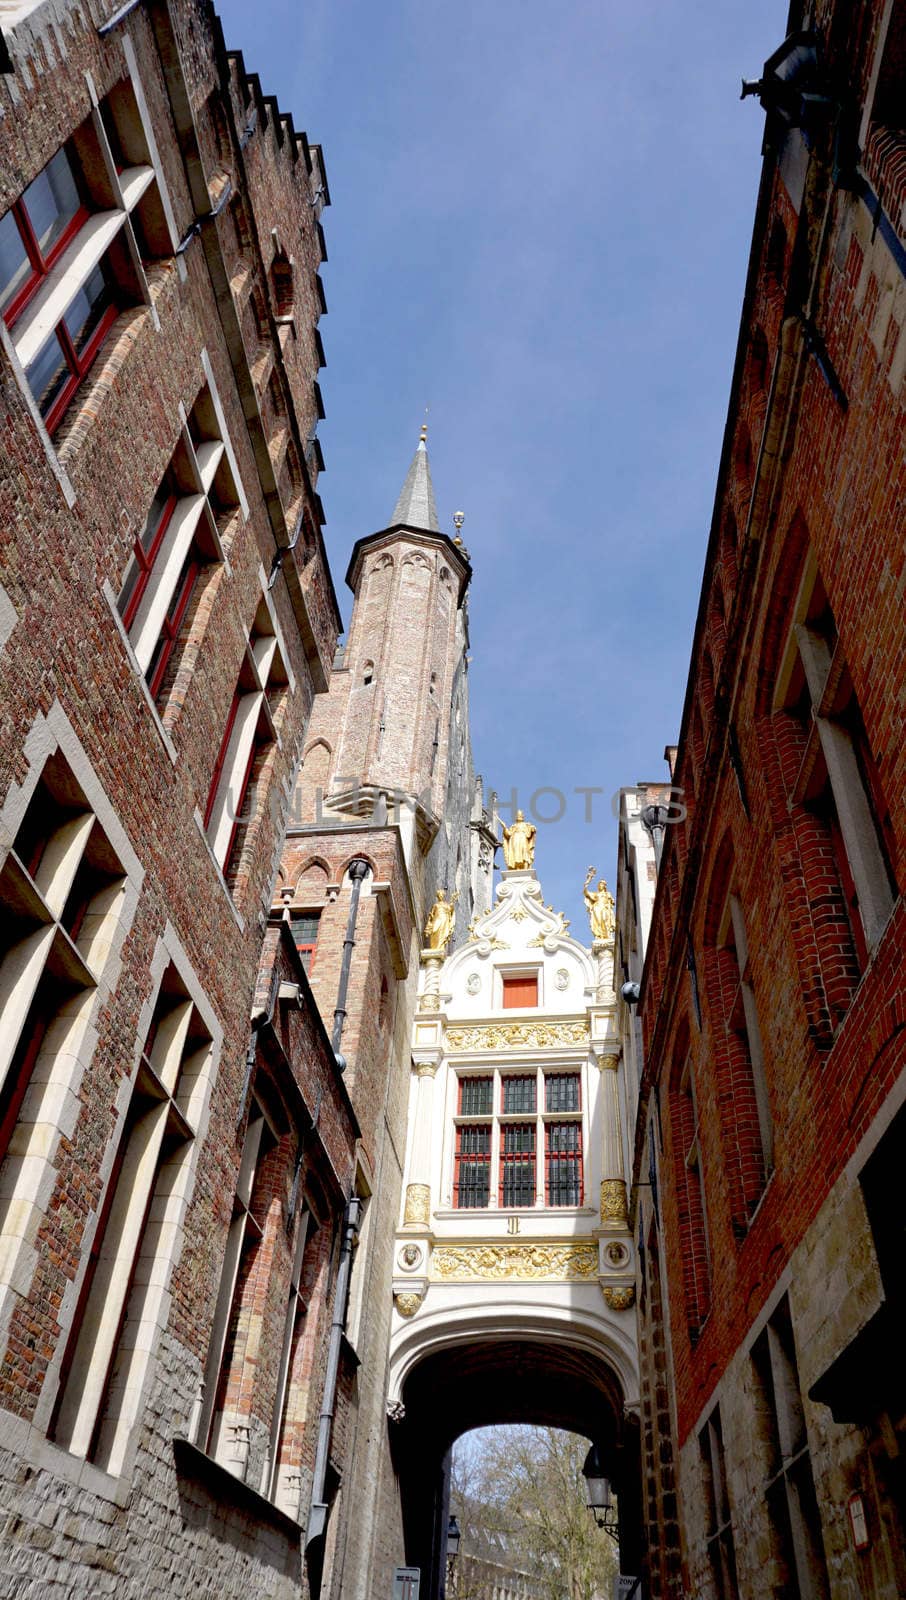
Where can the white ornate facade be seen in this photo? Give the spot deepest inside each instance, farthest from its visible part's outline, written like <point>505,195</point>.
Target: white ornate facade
<point>514,1218</point>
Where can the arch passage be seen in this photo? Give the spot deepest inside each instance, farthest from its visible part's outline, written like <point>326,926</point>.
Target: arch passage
<point>504,1380</point>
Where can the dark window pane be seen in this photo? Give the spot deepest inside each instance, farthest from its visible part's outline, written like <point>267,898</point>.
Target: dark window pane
<point>518,1094</point>
<point>87,308</point>
<point>562,1092</point>
<point>304,928</point>
<point>564,1163</point>
<point>475,1096</point>
<point>517,1164</point>
<point>47,374</point>
<point>15,266</point>
<point>473,1167</point>
<point>52,201</point>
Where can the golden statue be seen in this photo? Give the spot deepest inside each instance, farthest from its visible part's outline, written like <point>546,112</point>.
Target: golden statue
<point>519,844</point>
<point>441,918</point>
<point>599,905</point>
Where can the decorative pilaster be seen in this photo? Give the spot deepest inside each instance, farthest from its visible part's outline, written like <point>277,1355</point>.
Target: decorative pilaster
<point>614,1213</point>
<point>417,1211</point>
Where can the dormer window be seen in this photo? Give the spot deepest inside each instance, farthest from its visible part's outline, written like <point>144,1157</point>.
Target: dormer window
<point>520,992</point>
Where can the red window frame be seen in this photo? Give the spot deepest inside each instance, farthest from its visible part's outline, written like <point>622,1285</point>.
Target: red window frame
<point>510,1079</point>
<point>79,363</point>
<point>18,1078</point>
<point>221,755</point>
<point>485,1078</point>
<point>474,1159</point>
<point>513,1158</point>
<point>173,621</point>
<point>307,948</point>
<point>40,263</point>
<point>145,560</point>
<point>552,1157</point>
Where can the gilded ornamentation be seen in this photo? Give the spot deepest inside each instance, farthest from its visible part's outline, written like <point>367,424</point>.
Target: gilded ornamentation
<point>418,1204</point>
<point>519,844</point>
<point>617,1253</point>
<point>441,918</point>
<point>609,1063</point>
<point>514,1035</point>
<point>518,914</point>
<point>407,1304</point>
<point>613,1201</point>
<point>619,1297</point>
<point>424,1069</point>
<point>515,1261</point>
<point>599,905</point>
<point>410,1256</point>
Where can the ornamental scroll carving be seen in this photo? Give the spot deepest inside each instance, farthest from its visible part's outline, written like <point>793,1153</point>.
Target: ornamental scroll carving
<point>515,1261</point>
<point>531,1035</point>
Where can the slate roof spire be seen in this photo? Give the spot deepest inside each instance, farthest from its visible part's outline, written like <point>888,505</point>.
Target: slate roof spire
<point>416,507</point>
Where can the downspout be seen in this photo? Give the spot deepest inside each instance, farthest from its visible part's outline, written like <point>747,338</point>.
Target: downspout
<point>357,871</point>
<point>318,1508</point>
<point>317,1512</point>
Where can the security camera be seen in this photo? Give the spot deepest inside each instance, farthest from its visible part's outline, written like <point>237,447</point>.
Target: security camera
<point>630,993</point>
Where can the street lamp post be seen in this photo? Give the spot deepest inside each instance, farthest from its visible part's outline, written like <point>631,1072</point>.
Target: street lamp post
<point>598,1497</point>
<point>453,1538</point>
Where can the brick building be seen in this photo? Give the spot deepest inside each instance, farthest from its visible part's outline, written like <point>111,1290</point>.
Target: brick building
<point>177,1142</point>
<point>386,812</point>
<point>772,1000</point>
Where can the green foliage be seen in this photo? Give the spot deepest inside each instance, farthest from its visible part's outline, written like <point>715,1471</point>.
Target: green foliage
<point>527,1484</point>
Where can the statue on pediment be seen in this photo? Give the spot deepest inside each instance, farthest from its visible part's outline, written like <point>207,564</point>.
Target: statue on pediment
<point>439,925</point>
<point>599,905</point>
<point>519,844</point>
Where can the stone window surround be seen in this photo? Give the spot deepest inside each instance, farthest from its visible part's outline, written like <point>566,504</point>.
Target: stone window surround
<point>47,736</point>
<point>102,1390</point>
<point>731,937</point>
<point>97,234</point>
<point>264,649</point>
<point>807,649</point>
<point>192,510</point>
<point>36,1446</point>
<point>222,1437</point>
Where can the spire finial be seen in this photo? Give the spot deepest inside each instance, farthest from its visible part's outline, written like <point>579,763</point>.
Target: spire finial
<point>423,436</point>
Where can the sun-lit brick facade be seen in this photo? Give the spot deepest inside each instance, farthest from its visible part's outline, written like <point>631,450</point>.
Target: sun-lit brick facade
<point>177,1142</point>
<point>772,1001</point>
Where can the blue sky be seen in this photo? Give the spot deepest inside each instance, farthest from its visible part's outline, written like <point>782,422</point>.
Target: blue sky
<point>540,225</point>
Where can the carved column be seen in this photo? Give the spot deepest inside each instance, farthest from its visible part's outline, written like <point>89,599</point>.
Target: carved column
<point>613,1183</point>
<point>417,1211</point>
<point>432,961</point>
<point>602,950</point>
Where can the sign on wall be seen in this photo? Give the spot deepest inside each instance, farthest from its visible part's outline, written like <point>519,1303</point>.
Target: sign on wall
<point>406,1583</point>
<point>627,1588</point>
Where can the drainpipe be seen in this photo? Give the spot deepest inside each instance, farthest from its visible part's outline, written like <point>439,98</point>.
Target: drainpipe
<point>357,871</point>
<point>317,1512</point>
<point>318,1508</point>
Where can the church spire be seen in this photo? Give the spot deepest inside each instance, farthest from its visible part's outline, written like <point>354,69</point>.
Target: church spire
<point>416,507</point>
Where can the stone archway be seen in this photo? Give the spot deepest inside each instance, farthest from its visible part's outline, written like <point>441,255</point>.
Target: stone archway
<point>492,1380</point>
